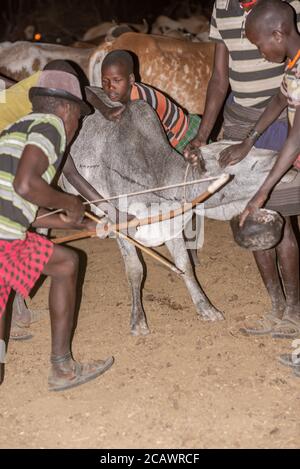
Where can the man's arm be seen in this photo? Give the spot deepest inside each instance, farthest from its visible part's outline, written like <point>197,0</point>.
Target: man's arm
<point>55,221</point>
<point>85,189</point>
<point>78,182</point>
<point>28,183</point>
<point>286,158</point>
<point>235,153</point>
<point>216,94</point>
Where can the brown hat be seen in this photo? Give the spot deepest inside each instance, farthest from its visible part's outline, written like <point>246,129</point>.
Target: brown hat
<point>59,84</point>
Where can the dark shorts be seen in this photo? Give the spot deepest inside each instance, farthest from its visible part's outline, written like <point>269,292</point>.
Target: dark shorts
<point>21,264</point>
<point>191,133</point>
<point>238,120</point>
<point>285,197</point>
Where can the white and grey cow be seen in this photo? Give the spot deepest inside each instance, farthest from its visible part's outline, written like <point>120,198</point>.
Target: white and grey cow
<point>133,155</point>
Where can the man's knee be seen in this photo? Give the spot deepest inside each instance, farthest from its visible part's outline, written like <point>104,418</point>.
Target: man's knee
<point>288,231</point>
<point>66,264</point>
<point>71,263</point>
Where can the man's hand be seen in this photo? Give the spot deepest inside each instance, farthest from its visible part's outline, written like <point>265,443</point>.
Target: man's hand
<point>114,114</point>
<point>255,203</point>
<point>234,154</point>
<point>104,228</point>
<point>191,152</point>
<point>75,213</point>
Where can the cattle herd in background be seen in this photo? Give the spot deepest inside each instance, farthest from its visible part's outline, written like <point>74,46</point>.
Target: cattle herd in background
<point>194,28</point>
<point>175,56</point>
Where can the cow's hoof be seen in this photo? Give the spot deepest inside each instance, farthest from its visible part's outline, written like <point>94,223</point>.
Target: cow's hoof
<point>210,314</point>
<point>140,329</point>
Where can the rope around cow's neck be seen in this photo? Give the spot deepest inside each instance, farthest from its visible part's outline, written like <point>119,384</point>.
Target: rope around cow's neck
<point>131,194</point>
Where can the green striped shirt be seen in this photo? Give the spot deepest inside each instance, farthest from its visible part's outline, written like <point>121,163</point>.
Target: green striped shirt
<point>253,80</point>
<point>45,131</point>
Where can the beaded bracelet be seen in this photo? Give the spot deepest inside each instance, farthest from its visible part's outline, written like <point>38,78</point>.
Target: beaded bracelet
<point>254,135</point>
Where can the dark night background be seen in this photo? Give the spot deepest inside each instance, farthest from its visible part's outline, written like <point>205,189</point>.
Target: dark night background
<point>71,18</point>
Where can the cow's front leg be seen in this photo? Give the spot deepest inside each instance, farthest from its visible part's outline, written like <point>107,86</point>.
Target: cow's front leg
<point>181,258</point>
<point>135,274</point>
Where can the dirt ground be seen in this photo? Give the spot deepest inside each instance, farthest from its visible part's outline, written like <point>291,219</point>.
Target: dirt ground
<point>189,384</point>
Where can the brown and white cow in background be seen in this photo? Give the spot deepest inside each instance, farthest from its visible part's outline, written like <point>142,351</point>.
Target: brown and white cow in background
<point>194,28</point>
<point>21,59</point>
<point>179,68</point>
<point>104,29</point>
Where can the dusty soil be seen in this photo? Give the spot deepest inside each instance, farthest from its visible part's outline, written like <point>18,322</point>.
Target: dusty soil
<point>190,384</point>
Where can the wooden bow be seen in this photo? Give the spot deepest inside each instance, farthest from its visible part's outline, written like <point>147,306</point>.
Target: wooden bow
<point>212,188</point>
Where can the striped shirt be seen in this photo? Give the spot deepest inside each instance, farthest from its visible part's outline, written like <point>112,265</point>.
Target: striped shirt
<point>172,117</point>
<point>290,86</point>
<point>46,131</point>
<point>253,80</point>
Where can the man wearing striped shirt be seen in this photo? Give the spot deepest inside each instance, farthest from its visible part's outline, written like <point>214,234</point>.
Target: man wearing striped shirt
<point>118,83</point>
<point>253,82</point>
<point>15,105</point>
<point>277,41</point>
<point>31,151</point>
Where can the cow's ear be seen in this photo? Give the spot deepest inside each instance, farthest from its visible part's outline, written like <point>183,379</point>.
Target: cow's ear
<point>131,78</point>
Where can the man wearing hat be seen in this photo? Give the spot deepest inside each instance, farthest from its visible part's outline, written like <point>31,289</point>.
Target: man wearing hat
<point>15,104</point>
<point>31,151</point>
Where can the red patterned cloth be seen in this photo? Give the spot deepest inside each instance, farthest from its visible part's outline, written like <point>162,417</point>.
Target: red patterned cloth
<point>21,264</point>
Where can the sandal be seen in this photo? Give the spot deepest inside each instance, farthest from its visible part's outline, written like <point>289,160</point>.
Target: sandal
<point>296,371</point>
<point>19,333</point>
<point>289,359</point>
<point>286,329</point>
<point>262,326</point>
<point>83,373</point>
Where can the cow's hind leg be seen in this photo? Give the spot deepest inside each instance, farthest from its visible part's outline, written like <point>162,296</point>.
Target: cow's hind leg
<point>181,258</point>
<point>134,272</point>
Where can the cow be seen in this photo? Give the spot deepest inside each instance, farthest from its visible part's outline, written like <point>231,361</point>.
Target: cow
<point>195,24</point>
<point>179,68</point>
<point>134,154</point>
<point>194,28</point>
<point>20,59</point>
<point>164,25</point>
<point>103,29</point>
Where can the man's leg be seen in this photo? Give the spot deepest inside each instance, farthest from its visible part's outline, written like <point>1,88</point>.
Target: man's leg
<point>288,259</point>
<point>4,294</point>
<point>22,317</point>
<point>66,373</point>
<point>285,303</point>
<point>20,313</point>
<point>2,346</point>
<point>266,262</point>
